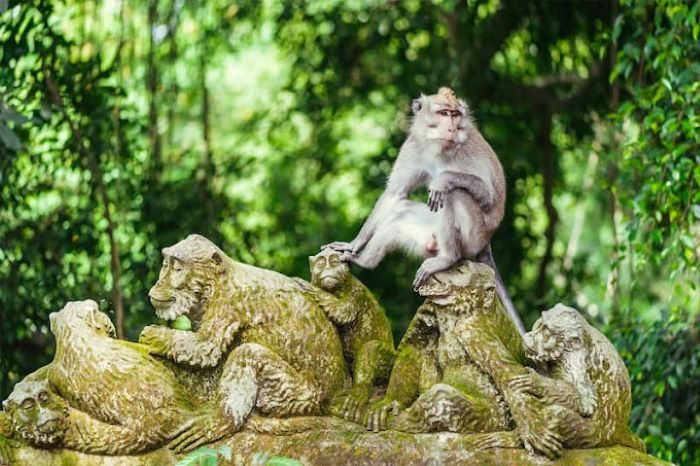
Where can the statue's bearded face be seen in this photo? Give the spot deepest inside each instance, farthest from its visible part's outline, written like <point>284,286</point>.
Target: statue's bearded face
<point>543,343</point>
<point>38,415</point>
<point>180,288</point>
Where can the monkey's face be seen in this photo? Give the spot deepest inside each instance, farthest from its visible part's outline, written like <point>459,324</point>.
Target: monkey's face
<point>180,288</point>
<point>38,415</point>
<point>327,270</point>
<point>558,331</point>
<point>81,314</point>
<point>441,118</point>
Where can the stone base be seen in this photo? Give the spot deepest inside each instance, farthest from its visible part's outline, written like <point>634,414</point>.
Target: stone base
<point>333,448</point>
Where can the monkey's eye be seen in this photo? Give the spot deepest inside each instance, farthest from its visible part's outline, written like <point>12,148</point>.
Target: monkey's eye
<point>28,404</point>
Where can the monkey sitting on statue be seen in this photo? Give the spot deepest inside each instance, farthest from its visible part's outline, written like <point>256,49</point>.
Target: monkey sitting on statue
<point>368,345</point>
<point>445,152</point>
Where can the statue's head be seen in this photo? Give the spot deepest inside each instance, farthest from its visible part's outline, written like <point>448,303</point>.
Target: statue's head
<point>472,284</point>
<point>560,330</point>
<point>36,413</point>
<point>327,270</point>
<point>81,315</point>
<point>190,271</point>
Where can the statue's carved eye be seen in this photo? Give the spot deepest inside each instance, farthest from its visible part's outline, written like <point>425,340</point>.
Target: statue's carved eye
<point>444,113</point>
<point>28,404</point>
<point>43,397</point>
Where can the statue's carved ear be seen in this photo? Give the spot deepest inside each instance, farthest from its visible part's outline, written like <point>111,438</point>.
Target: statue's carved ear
<point>311,260</point>
<point>6,405</point>
<point>216,257</point>
<point>416,105</point>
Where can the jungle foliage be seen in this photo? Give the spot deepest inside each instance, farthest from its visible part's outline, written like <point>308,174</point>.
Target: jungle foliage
<point>270,127</point>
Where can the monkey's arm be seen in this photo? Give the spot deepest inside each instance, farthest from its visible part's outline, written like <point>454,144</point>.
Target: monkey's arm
<point>203,348</point>
<point>449,180</point>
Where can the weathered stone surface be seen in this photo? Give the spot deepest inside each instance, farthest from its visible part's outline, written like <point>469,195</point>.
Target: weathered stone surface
<point>333,448</point>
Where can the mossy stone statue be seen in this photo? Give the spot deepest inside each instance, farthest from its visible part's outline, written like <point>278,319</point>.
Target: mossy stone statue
<point>263,359</point>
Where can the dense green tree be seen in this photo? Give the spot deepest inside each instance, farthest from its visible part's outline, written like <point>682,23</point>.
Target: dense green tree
<point>270,127</point>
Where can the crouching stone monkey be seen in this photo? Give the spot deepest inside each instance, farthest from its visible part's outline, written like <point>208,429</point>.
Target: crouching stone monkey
<point>281,355</point>
<point>368,345</point>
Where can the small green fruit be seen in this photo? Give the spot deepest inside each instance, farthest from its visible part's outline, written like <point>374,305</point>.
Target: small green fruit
<point>181,323</point>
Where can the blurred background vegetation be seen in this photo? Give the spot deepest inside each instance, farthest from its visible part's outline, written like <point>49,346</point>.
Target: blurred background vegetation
<point>270,127</point>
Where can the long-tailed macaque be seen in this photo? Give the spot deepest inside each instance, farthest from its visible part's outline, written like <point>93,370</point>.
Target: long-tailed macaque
<point>445,152</point>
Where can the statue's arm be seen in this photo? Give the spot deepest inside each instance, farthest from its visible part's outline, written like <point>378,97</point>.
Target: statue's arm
<point>341,311</point>
<point>203,348</point>
<point>89,435</point>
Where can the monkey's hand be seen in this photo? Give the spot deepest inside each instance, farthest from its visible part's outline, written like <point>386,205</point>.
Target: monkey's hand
<point>437,190</point>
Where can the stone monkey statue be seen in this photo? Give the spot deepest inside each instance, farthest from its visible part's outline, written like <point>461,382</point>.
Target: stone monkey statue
<point>368,345</point>
<point>445,151</point>
<point>583,385</point>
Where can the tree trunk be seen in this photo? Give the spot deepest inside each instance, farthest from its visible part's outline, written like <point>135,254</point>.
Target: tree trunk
<point>152,85</point>
<point>548,175</point>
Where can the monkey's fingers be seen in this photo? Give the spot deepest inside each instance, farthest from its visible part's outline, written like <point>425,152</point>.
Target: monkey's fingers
<point>339,246</point>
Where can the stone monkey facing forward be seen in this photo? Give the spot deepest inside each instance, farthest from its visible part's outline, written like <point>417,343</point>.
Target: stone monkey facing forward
<point>445,152</point>
<point>368,345</point>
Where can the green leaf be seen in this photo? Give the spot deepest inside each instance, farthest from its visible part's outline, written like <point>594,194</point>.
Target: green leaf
<point>226,452</point>
<point>201,457</point>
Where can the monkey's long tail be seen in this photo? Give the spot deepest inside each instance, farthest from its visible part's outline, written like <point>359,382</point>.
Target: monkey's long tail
<point>486,256</point>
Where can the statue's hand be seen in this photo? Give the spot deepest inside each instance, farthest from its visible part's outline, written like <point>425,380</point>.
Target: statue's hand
<point>381,414</point>
<point>155,337</point>
<point>536,428</point>
<point>531,383</point>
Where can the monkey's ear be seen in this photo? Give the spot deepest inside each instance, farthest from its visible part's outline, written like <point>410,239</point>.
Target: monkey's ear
<point>416,105</point>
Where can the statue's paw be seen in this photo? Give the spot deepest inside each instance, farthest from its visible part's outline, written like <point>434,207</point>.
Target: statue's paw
<point>545,443</point>
<point>526,383</point>
<point>408,421</point>
<point>506,439</point>
<point>152,336</point>
<point>381,414</point>
<point>200,430</point>
<point>351,406</point>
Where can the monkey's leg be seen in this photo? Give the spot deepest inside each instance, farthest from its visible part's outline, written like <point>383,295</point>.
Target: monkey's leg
<point>409,227</point>
<point>373,362</point>
<point>402,389</point>
<point>446,408</point>
<point>253,377</point>
<point>449,238</point>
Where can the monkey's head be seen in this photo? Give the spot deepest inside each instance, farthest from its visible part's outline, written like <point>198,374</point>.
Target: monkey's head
<point>441,117</point>
<point>81,315</point>
<point>190,271</point>
<point>36,414</point>
<point>327,270</point>
<point>468,285</point>
<point>559,331</point>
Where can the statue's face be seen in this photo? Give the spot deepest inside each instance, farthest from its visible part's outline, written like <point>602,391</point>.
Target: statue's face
<point>81,314</point>
<point>467,286</point>
<point>177,291</point>
<point>327,270</point>
<point>543,343</point>
<point>38,415</point>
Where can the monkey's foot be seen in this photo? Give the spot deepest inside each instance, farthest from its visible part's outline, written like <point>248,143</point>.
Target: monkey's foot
<point>505,439</point>
<point>351,405</point>
<point>200,430</point>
